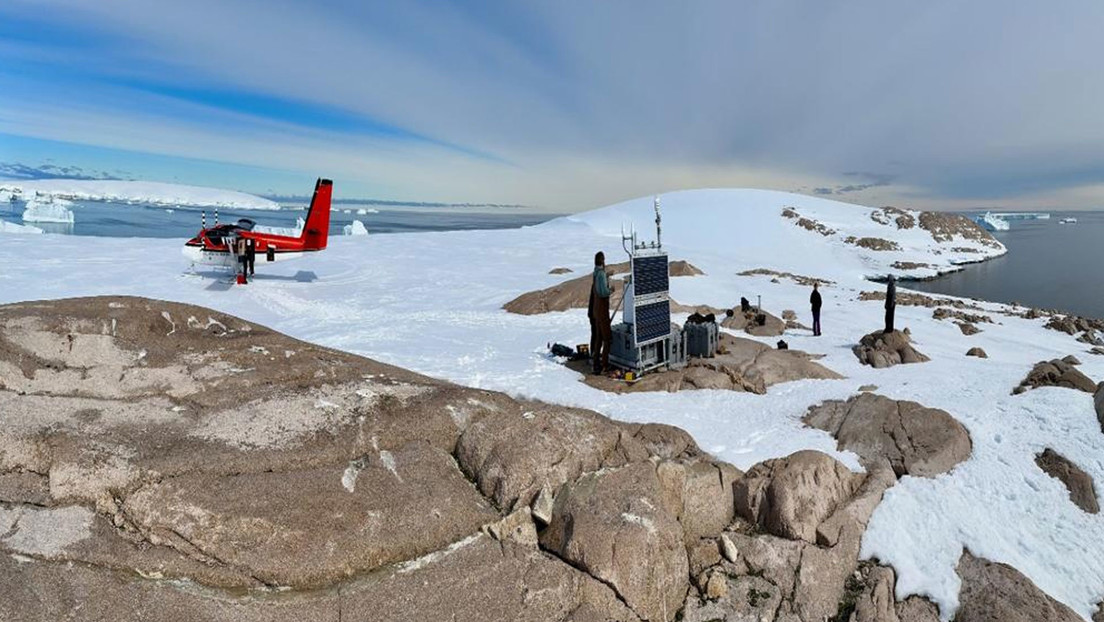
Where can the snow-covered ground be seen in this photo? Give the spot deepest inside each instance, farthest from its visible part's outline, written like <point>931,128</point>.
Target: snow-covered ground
<point>432,302</point>
<point>48,209</point>
<point>143,192</point>
<point>11,227</point>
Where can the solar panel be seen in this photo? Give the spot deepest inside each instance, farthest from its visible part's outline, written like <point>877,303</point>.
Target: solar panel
<point>653,321</point>
<point>650,275</point>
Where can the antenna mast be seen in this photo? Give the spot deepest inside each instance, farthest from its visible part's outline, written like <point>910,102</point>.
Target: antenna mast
<point>659,241</point>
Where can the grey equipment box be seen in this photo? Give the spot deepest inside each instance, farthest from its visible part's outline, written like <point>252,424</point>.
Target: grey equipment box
<point>702,339</point>
<point>668,351</point>
<point>677,350</point>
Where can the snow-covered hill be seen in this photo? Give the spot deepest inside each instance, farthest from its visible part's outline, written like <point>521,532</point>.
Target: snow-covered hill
<point>144,192</point>
<point>432,302</point>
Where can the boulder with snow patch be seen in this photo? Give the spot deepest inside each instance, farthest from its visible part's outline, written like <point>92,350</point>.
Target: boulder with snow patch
<point>790,496</point>
<point>613,525</point>
<point>994,592</point>
<point>880,349</point>
<point>911,438</point>
<point>1056,373</point>
<point>1077,481</point>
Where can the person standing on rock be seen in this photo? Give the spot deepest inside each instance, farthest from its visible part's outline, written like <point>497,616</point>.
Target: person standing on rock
<point>815,302</point>
<point>890,304</point>
<point>598,310</point>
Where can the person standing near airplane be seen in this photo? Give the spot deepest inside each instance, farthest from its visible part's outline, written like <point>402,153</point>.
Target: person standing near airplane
<point>250,254</point>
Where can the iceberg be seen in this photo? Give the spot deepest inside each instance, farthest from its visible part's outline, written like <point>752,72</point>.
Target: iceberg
<point>48,210</point>
<point>356,228</point>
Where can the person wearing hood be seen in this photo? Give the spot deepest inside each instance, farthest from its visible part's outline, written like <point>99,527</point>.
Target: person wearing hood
<point>598,311</point>
<point>890,303</point>
<point>815,303</point>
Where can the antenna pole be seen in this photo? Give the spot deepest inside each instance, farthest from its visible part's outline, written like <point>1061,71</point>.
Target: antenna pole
<point>659,241</point>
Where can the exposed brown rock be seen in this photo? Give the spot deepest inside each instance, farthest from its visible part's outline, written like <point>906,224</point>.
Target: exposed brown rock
<point>945,227</point>
<point>913,299</point>
<point>790,496</point>
<point>182,464</point>
<point>910,265</point>
<point>1056,373</point>
<point>1078,482</point>
<point>879,349</point>
<point>560,271</point>
<point>912,439</point>
<point>901,218</point>
<point>874,244</point>
<point>942,313</point>
<point>978,352</point>
<point>807,281</point>
<point>613,525</point>
<point>513,455</point>
<point>993,592</point>
<point>807,223</point>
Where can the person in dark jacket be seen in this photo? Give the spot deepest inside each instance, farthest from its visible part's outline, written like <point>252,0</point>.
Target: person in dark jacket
<point>598,310</point>
<point>250,254</point>
<point>890,304</point>
<point>815,302</point>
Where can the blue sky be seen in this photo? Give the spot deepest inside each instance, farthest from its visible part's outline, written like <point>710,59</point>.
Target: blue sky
<point>570,104</point>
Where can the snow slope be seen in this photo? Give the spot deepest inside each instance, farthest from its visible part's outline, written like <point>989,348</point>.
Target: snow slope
<point>145,192</point>
<point>432,302</point>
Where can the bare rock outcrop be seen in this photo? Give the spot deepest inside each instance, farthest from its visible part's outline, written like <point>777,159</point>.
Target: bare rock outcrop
<point>613,524</point>
<point>910,438</point>
<point>184,464</point>
<point>747,574</point>
<point>993,592</point>
<point>1076,480</point>
<point>978,352</point>
<point>1056,373</point>
<point>880,349</point>
<point>789,497</point>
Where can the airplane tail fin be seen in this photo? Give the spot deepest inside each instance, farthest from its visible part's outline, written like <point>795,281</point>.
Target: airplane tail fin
<point>316,230</point>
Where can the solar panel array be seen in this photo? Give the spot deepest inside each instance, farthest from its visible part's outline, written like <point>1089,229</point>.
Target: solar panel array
<point>650,275</point>
<point>653,321</point>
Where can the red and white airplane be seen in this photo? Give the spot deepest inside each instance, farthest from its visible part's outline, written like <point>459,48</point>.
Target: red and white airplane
<point>214,246</point>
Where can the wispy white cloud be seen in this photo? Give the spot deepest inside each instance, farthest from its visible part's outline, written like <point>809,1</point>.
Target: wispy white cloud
<point>571,104</point>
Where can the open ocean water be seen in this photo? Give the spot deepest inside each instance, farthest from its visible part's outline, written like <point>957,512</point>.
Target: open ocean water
<point>106,219</point>
<point>1048,265</point>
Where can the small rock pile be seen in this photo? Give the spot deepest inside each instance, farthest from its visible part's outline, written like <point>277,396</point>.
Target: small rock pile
<point>1056,373</point>
<point>879,349</point>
